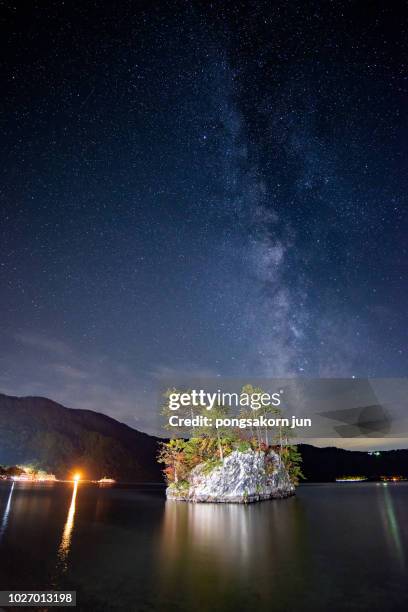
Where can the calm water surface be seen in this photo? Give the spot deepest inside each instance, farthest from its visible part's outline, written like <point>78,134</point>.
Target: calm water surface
<point>332,547</point>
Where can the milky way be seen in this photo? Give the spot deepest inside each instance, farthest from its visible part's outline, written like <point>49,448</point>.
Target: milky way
<point>200,190</point>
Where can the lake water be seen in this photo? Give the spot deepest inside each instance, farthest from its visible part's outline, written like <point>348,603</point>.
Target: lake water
<point>332,547</point>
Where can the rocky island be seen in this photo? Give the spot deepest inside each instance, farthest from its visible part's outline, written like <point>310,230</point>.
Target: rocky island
<point>243,477</point>
<point>225,464</point>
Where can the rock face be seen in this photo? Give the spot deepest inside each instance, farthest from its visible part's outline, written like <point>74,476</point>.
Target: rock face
<point>242,478</point>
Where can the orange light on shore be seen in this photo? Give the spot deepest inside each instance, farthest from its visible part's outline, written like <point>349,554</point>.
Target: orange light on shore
<point>77,477</point>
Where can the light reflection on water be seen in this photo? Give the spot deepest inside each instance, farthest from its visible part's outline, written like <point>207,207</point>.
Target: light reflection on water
<point>6,512</point>
<point>242,530</point>
<point>65,544</point>
<point>241,551</point>
<point>327,546</point>
<point>390,522</point>
<point>302,553</point>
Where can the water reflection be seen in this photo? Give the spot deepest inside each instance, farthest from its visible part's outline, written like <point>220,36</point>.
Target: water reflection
<point>390,521</point>
<point>214,552</point>
<point>6,512</point>
<point>65,544</point>
<point>328,548</point>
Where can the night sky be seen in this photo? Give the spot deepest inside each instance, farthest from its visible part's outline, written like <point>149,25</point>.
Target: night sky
<point>200,189</point>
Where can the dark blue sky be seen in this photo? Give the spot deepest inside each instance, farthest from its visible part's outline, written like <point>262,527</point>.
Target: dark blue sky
<point>194,189</point>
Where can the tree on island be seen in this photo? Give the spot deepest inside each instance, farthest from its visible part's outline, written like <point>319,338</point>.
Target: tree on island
<point>209,445</point>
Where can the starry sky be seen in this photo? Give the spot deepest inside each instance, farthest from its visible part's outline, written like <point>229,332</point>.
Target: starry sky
<point>191,188</point>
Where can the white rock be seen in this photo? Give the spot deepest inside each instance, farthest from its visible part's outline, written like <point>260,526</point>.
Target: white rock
<point>243,477</point>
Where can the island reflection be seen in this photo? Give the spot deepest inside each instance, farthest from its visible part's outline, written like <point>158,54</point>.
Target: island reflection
<point>208,552</point>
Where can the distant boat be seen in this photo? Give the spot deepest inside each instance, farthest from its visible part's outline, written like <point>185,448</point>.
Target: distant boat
<point>106,481</point>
